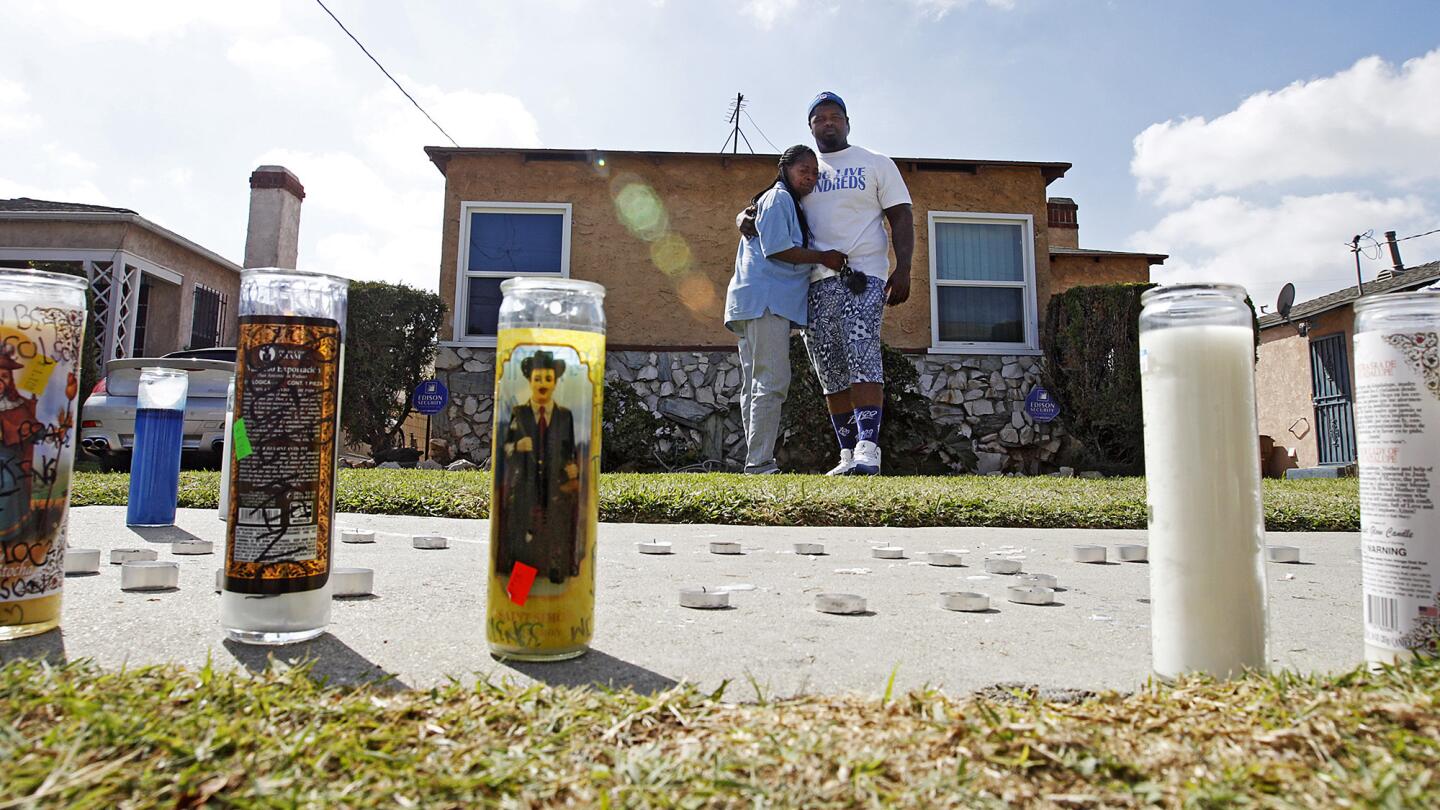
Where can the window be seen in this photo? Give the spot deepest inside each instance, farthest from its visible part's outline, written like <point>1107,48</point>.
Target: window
<point>206,318</point>
<point>500,241</point>
<point>982,283</point>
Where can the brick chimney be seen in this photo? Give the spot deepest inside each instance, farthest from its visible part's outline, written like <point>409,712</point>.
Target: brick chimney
<point>1064,224</point>
<point>273,236</point>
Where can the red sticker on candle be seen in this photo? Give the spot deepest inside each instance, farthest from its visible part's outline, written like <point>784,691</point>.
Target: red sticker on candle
<point>521,578</point>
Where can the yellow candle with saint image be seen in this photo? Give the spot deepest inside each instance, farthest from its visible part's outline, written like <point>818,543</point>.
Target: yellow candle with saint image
<point>545,458</point>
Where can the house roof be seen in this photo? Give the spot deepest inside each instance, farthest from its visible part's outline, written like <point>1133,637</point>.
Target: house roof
<point>440,156</point>
<point>50,206</point>
<point>1152,258</point>
<point>26,209</point>
<point>1412,279</point>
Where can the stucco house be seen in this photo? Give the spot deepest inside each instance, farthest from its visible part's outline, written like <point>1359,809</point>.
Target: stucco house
<point>657,230</point>
<point>1304,379</point>
<point>155,291</point>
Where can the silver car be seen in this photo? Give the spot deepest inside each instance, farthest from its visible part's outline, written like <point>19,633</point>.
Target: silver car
<point>107,419</point>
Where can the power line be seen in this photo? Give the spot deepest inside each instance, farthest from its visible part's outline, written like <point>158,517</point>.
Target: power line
<point>762,133</point>
<point>387,73</point>
<point>1417,235</point>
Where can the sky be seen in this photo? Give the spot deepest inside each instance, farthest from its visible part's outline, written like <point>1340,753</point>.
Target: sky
<point>1249,141</point>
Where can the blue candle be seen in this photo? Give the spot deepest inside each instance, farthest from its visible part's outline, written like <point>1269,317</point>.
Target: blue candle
<point>155,462</point>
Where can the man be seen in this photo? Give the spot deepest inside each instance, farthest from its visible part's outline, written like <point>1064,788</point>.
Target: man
<point>540,490</point>
<point>858,191</point>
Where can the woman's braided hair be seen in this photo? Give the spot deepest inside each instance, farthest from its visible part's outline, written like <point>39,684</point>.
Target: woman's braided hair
<point>788,158</point>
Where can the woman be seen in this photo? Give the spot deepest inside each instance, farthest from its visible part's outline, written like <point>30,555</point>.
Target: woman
<point>767,297</point>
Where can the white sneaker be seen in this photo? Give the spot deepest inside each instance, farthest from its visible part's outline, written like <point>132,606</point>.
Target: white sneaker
<point>867,459</point>
<point>847,463</point>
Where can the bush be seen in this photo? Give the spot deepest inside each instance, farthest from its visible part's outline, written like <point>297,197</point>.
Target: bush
<point>791,500</point>
<point>633,436</point>
<point>1092,353</point>
<point>389,348</point>
<point>912,441</point>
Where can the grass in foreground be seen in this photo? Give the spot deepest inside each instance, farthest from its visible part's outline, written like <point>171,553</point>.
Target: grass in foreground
<point>75,736</point>
<point>795,500</point>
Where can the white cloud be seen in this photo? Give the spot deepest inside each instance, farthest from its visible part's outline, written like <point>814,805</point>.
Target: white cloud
<point>374,212</point>
<point>1300,239</point>
<point>15,113</point>
<point>768,12</point>
<point>939,8</point>
<point>104,20</point>
<point>288,55</point>
<point>395,132</point>
<point>1371,120</point>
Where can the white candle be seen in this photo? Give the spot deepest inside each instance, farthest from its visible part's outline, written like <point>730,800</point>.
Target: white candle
<point>1202,457</point>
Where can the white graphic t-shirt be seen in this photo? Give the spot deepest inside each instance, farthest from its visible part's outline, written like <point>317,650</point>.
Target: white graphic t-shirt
<point>846,211</point>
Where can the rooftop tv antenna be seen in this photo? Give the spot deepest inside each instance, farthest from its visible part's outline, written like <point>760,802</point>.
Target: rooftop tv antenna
<point>736,107</point>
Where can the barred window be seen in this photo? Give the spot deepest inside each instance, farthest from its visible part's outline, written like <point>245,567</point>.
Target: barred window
<point>207,318</point>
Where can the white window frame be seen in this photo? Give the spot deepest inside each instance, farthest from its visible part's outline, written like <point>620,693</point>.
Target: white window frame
<point>462,262</point>
<point>1031,345</point>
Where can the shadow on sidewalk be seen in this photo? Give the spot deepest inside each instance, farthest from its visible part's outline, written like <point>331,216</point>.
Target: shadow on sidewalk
<point>48,647</point>
<point>331,661</point>
<point>594,669</point>
<point>162,534</point>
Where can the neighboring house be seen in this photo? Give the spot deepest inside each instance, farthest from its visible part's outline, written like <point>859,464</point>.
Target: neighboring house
<point>155,290</point>
<point>657,230</point>
<point>1304,378</point>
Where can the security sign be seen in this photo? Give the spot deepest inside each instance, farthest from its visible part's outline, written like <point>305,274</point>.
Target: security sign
<point>430,397</point>
<point>1041,406</point>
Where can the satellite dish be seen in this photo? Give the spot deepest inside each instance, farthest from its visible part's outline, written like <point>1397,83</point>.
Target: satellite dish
<point>1285,301</point>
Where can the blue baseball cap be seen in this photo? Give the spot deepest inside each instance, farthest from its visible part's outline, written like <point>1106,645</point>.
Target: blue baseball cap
<point>821,99</point>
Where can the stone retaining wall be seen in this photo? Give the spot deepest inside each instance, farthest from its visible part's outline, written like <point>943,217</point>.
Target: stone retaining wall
<point>982,397</point>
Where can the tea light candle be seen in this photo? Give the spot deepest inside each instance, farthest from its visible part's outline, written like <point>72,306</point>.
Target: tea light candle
<point>352,581</point>
<point>809,548</point>
<point>965,601</point>
<point>192,546</point>
<point>653,547</point>
<point>82,560</point>
<point>1282,554</point>
<point>845,604</point>
<point>1040,580</point>
<point>120,556</point>
<point>149,576</point>
<point>430,541</point>
<point>1029,595</point>
<point>724,547</point>
<point>704,598</point>
<point>887,553</point>
<point>1130,552</point>
<point>1000,565</point>
<point>946,559</point>
<point>1085,553</point>
<point>357,536</point>
<point>1207,572</point>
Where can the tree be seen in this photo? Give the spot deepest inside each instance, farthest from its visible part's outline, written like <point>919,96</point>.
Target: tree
<point>389,349</point>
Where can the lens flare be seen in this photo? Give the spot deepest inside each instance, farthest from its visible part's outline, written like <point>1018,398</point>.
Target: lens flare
<point>641,211</point>
<point>698,294</point>
<point>671,253</point>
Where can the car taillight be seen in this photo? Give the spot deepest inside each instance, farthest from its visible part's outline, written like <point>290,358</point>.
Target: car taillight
<point>90,423</point>
<point>99,387</point>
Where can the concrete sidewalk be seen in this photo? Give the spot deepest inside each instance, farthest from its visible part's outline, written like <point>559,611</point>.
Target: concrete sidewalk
<point>425,623</point>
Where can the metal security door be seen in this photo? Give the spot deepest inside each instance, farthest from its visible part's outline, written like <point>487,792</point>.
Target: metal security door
<point>1330,386</point>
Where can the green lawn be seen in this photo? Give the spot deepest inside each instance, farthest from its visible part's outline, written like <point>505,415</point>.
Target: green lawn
<point>791,500</point>
<point>77,737</point>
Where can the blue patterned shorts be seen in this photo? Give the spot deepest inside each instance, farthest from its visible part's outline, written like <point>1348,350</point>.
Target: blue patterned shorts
<point>843,337</point>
